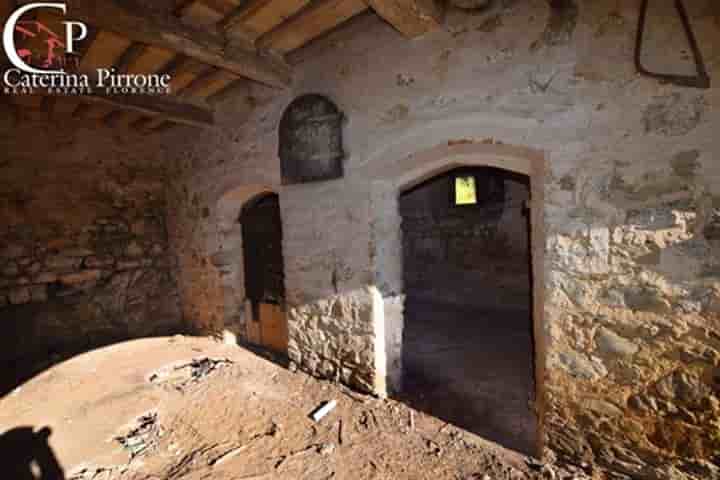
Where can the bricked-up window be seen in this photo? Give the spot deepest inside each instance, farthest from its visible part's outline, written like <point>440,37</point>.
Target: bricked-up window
<point>311,147</point>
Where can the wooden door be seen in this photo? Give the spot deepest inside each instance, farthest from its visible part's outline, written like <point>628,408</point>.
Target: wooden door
<point>264,274</point>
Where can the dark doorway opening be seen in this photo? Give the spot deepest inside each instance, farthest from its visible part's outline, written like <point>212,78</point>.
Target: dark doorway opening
<point>264,272</point>
<point>468,347</point>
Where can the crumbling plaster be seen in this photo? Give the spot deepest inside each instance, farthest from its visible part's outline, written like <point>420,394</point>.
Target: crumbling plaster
<point>629,192</point>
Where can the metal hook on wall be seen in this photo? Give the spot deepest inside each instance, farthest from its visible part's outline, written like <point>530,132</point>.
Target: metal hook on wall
<point>701,79</point>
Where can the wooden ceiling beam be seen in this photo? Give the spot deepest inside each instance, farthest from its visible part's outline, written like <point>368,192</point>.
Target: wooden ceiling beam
<point>209,83</point>
<point>183,71</point>
<point>203,86</point>
<point>314,20</point>
<point>130,19</point>
<point>104,51</point>
<point>412,18</point>
<point>169,107</point>
<point>98,104</point>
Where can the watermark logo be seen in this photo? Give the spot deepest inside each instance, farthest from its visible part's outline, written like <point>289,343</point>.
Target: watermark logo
<point>52,62</point>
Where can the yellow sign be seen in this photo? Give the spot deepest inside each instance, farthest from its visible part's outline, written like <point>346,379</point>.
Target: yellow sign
<point>465,193</point>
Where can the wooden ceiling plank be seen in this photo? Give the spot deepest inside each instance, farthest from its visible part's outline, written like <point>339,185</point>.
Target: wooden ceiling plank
<point>223,6</point>
<point>201,15</point>
<point>151,60</point>
<point>258,17</point>
<point>129,19</point>
<point>412,18</point>
<point>311,22</point>
<point>104,52</point>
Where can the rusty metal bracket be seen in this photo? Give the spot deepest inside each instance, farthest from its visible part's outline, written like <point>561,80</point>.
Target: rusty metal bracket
<point>701,79</point>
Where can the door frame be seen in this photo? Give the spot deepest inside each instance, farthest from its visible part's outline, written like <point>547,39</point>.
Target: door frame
<point>386,247</point>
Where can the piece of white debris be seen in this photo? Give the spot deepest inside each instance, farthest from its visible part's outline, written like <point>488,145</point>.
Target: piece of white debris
<point>324,410</point>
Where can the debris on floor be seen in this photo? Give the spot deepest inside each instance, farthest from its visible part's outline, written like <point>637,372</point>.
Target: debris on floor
<point>323,410</point>
<point>143,437</point>
<point>98,473</point>
<point>179,376</point>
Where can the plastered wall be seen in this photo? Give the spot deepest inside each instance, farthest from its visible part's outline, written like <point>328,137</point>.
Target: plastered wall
<point>629,199</point>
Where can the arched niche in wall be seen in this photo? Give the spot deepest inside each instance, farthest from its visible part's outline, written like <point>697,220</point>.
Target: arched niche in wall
<point>311,140</point>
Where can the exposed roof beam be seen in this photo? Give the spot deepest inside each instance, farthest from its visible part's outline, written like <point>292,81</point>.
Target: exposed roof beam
<point>208,84</point>
<point>169,107</point>
<point>184,71</point>
<point>130,19</point>
<point>412,18</point>
<point>311,22</point>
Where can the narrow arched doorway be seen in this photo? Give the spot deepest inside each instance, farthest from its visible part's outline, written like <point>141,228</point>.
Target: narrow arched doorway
<point>264,272</point>
<point>468,349</point>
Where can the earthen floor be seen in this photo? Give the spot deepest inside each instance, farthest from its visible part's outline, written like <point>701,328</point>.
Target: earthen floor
<point>473,368</point>
<point>142,410</point>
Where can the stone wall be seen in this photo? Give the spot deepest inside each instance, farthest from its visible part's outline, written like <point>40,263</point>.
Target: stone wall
<point>84,257</point>
<point>470,255</point>
<point>629,334</point>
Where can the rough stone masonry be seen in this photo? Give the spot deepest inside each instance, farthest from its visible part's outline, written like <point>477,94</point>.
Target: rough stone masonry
<point>630,205</point>
<point>99,241</point>
<point>84,258</point>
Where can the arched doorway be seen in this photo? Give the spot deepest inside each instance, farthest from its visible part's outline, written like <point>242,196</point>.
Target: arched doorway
<point>264,272</point>
<point>387,187</point>
<point>468,338</point>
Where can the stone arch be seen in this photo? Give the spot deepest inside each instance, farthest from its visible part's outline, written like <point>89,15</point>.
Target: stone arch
<point>403,174</point>
<point>229,257</point>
